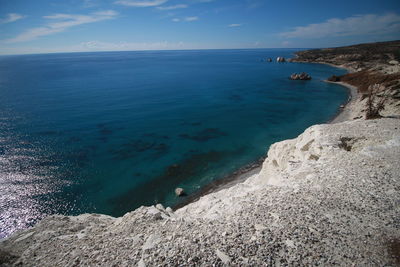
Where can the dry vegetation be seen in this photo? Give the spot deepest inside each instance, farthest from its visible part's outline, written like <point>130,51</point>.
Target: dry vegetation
<point>375,71</point>
<point>360,54</point>
<point>365,79</point>
<point>377,96</point>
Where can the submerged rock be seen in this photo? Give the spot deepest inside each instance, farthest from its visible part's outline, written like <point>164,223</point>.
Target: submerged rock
<point>300,76</point>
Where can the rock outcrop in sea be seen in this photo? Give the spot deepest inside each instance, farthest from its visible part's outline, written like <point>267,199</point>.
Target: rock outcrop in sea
<point>280,59</point>
<point>179,192</point>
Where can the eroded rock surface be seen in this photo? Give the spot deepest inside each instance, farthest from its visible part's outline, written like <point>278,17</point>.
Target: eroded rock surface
<point>329,197</point>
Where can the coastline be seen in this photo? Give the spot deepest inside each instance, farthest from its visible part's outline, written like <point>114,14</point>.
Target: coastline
<point>242,174</point>
<point>345,113</point>
<point>326,197</point>
<point>349,69</point>
<point>228,181</point>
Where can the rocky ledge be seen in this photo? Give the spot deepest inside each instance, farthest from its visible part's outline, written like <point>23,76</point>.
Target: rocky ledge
<point>329,197</point>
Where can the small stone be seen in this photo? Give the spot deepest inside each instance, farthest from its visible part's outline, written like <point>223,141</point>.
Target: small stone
<point>160,207</point>
<point>154,213</point>
<point>259,227</point>
<point>223,257</point>
<point>290,243</point>
<point>151,242</point>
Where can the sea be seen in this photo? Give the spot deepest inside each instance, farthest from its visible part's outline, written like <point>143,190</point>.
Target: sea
<point>108,132</point>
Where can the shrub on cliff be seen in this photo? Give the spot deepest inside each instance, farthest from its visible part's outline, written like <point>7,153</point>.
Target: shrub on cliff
<point>377,95</point>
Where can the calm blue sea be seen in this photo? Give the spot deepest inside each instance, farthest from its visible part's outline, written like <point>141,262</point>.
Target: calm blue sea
<point>108,132</point>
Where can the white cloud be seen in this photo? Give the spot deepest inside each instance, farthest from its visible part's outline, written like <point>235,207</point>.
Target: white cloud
<point>191,18</point>
<point>355,25</point>
<point>63,22</point>
<point>234,25</point>
<point>134,3</point>
<point>126,46</point>
<point>188,19</point>
<point>92,46</point>
<point>90,3</point>
<point>172,7</point>
<point>106,13</point>
<point>11,17</point>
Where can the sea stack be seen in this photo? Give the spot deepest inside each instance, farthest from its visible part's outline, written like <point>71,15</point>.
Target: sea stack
<point>280,59</point>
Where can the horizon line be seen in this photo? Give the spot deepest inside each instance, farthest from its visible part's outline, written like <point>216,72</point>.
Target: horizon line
<point>191,49</point>
<point>159,50</point>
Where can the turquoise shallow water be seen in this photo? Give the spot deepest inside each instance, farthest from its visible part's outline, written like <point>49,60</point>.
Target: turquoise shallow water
<point>108,132</point>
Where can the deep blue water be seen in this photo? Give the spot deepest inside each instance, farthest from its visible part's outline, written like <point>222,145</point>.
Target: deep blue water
<point>108,132</point>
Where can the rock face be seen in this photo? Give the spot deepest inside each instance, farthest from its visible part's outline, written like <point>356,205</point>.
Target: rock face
<point>300,76</point>
<point>331,196</point>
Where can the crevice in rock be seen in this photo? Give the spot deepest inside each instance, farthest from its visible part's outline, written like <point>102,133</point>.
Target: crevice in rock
<point>306,147</point>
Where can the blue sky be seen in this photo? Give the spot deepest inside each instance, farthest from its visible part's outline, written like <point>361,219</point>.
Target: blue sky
<point>44,26</point>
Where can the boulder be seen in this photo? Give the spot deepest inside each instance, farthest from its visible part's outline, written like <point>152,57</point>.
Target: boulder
<point>179,192</point>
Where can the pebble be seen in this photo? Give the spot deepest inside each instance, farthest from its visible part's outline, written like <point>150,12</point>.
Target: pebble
<point>223,257</point>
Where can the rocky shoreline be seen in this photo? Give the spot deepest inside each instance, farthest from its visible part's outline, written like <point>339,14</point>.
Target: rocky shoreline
<point>331,196</point>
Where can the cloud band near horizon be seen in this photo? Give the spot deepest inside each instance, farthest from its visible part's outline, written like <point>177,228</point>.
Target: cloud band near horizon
<point>354,25</point>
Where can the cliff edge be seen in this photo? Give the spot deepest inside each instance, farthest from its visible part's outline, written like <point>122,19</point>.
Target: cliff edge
<point>330,196</point>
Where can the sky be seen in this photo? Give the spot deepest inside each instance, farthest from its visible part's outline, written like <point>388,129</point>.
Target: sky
<point>48,26</point>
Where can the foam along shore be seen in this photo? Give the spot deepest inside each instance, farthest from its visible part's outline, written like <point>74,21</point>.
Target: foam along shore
<point>330,196</point>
